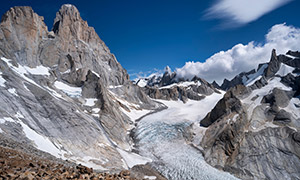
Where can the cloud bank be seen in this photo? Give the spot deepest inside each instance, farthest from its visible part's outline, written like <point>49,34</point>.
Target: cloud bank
<point>227,64</point>
<point>240,12</point>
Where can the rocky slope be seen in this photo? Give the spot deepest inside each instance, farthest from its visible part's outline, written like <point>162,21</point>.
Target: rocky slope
<point>253,131</point>
<point>63,92</point>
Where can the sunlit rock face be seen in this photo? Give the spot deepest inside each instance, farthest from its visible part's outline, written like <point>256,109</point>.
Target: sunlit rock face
<point>63,91</point>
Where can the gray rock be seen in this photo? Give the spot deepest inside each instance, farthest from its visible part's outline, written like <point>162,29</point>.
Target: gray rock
<point>216,85</point>
<point>278,98</point>
<point>283,117</point>
<point>229,104</point>
<point>294,53</point>
<point>236,80</point>
<point>273,66</point>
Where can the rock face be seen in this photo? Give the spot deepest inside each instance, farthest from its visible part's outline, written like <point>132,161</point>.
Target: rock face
<point>239,79</point>
<point>229,104</point>
<point>273,66</point>
<point>253,131</point>
<point>63,91</point>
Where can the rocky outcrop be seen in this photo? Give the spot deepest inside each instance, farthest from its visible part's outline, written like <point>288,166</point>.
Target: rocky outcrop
<point>227,105</point>
<point>273,65</point>
<point>239,79</point>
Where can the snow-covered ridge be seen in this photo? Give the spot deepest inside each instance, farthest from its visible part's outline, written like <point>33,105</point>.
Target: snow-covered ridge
<point>252,78</point>
<point>182,84</point>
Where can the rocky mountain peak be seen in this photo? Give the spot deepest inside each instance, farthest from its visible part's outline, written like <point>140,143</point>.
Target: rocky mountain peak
<point>274,65</point>
<point>18,13</point>
<point>69,24</point>
<point>167,70</point>
<point>22,30</point>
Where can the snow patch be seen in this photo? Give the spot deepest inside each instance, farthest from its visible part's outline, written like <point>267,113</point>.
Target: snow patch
<point>20,70</point>
<point>69,90</point>
<point>150,177</point>
<point>39,70</point>
<point>114,87</point>
<point>182,84</point>
<point>96,110</point>
<point>68,5</point>
<point>6,119</point>
<point>90,101</point>
<point>42,143</point>
<point>133,159</point>
<point>142,83</point>
<point>135,114</point>
<point>252,78</point>
<point>178,111</point>
<point>96,74</point>
<point>290,56</point>
<point>13,91</point>
<point>96,115</point>
<point>2,81</point>
<point>88,161</point>
<point>284,70</point>
<point>134,111</point>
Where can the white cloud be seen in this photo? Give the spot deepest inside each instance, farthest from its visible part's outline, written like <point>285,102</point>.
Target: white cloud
<point>239,12</point>
<point>147,74</point>
<point>227,64</point>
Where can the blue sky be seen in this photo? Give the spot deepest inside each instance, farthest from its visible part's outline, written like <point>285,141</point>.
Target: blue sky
<point>150,34</point>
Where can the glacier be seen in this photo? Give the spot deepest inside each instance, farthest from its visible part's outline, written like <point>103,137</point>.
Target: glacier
<point>161,137</point>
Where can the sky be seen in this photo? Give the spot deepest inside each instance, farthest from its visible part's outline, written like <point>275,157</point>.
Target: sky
<point>212,39</point>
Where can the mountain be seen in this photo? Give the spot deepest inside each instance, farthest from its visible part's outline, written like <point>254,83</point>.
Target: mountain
<point>253,131</point>
<point>64,93</point>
